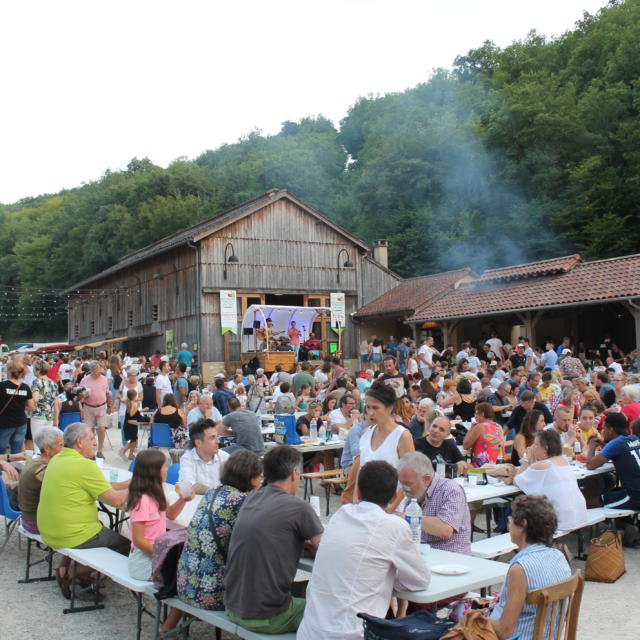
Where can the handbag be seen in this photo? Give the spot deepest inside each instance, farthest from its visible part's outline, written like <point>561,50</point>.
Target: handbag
<point>422,625</point>
<point>474,626</point>
<point>605,559</point>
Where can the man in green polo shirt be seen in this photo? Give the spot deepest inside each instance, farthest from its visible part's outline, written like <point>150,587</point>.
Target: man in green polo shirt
<point>304,377</point>
<point>67,511</point>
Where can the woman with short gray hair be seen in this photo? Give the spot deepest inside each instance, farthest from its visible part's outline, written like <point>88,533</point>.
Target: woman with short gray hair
<point>630,401</point>
<point>50,441</point>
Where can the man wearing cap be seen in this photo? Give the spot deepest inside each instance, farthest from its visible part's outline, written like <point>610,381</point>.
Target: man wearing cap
<point>569,366</point>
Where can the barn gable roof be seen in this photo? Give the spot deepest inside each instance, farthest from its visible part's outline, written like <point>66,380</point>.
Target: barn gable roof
<point>201,230</point>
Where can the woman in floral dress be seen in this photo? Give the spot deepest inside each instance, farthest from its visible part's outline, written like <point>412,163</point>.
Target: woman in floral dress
<point>45,392</point>
<point>202,563</point>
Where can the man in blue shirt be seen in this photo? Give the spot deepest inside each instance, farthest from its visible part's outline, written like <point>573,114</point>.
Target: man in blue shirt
<point>221,396</point>
<point>549,358</point>
<point>184,355</point>
<point>403,354</point>
<point>623,449</point>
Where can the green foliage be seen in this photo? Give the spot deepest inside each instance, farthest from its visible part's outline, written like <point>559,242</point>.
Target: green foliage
<point>517,154</point>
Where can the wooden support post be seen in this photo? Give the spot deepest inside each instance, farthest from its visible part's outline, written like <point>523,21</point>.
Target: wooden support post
<point>633,307</point>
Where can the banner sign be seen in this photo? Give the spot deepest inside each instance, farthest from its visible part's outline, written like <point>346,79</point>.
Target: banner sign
<point>337,312</point>
<point>228,311</point>
<point>168,342</point>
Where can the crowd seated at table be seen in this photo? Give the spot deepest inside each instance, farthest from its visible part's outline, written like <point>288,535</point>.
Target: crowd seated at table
<point>592,408</point>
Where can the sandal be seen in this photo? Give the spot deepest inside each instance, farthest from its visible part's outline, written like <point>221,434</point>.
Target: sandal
<point>64,583</point>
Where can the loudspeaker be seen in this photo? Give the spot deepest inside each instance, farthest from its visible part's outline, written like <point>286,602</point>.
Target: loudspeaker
<point>256,324</point>
<point>247,331</point>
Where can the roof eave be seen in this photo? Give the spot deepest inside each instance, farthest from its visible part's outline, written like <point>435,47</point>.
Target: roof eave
<point>523,309</point>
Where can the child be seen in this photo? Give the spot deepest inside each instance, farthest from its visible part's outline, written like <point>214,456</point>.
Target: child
<point>130,427</point>
<point>148,512</point>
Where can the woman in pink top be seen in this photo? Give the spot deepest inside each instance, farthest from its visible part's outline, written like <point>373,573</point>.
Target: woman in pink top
<point>148,514</point>
<point>485,439</point>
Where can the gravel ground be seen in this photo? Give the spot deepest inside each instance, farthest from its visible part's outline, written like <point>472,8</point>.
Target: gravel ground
<point>36,608</point>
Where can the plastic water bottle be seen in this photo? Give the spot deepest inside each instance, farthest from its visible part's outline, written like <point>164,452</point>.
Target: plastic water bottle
<point>313,429</point>
<point>322,432</point>
<point>413,515</point>
<point>577,447</point>
<point>441,467</point>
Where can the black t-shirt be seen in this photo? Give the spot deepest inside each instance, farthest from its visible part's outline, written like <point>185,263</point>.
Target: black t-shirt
<point>13,399</point>
<point>303,420</point>
<point>399,383</point>
<point>517,360</point>
<point>448,450</point>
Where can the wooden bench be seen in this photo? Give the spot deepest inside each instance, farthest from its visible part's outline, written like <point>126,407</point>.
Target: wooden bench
<point>317,475</point>
<point>114,565</point>
<point>35,539</point>
<point>217,619</point>
<point>499,545</point>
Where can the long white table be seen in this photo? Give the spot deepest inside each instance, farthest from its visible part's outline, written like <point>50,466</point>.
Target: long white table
<point>482,574</point>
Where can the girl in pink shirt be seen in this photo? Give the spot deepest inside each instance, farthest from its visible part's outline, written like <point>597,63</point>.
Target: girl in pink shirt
<point>148,514</point>
<point>148,509</point>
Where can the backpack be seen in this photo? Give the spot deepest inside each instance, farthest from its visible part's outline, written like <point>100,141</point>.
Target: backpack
<point>164,562</point>
<point>422,625</point>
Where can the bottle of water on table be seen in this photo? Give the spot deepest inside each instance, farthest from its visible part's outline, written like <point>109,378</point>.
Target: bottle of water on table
<point>441,467</point>
<point>313,429</point>
<point>413,515</point>
<point>322,432</point>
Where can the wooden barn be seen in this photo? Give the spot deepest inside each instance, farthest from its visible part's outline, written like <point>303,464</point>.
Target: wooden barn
<point>273,249</point>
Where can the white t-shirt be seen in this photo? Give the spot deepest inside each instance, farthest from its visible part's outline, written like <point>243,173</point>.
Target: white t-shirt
<point>321,377</point>
<point>336,417</point>
<point>616,366</point>
<point>474,363</point>
<point>496,346</point>
<point>164,384</point>
<point>427,352</point>
<point>66,371</point>
<point>529,353</point>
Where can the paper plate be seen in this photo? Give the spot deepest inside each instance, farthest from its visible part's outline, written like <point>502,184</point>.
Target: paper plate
<point>450,569</point>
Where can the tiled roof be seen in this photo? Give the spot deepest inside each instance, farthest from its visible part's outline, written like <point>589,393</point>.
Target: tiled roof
<point>601,280</point>
<point>532,269</point>
<point>413,292</point>
<point>220,220</point>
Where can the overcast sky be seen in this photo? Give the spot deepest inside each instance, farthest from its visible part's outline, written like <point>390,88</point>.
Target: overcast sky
<point>89,85</point>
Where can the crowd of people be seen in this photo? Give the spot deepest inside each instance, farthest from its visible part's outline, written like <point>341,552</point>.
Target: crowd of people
<point>411,421</point>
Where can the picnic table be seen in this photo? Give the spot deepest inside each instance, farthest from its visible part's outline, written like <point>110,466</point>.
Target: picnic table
<point>481,574</point>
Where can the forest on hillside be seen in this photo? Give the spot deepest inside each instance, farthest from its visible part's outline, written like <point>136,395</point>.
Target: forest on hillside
<point>515,154</point>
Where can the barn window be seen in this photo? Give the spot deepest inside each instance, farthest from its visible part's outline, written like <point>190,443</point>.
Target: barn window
<point>110,323</point>
<point>76,330</point>
<point>92,327</point>
<point>154,312</point>
<point>130,319</point>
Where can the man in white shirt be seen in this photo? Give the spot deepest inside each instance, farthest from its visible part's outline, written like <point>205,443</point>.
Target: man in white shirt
<point>203,463</point>
<point>364,554</point>
<point>163,384</point>
<point>463,353</point>
<point>346,414</point>
<point>496,346</point>
<point>425,357</point>
<point>615,366</point>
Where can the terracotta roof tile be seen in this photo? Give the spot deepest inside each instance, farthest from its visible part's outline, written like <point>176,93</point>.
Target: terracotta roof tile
<point>585,282</point>
<point>532,269</point>
<point>410,294</point>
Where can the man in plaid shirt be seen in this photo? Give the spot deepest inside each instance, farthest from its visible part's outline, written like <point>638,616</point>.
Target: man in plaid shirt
<point>445,524</point>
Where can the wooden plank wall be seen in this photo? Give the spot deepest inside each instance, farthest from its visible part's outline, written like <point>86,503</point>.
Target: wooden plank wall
<point>177,312</point>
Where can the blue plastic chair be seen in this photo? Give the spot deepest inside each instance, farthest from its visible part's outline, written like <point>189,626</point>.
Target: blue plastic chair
<point>160,435</point>
<point>69,418</point>
<point>173,473</point>
<point>11,516</point>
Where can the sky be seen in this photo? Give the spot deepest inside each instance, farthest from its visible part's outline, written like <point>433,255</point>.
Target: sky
<point>87,86</point>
